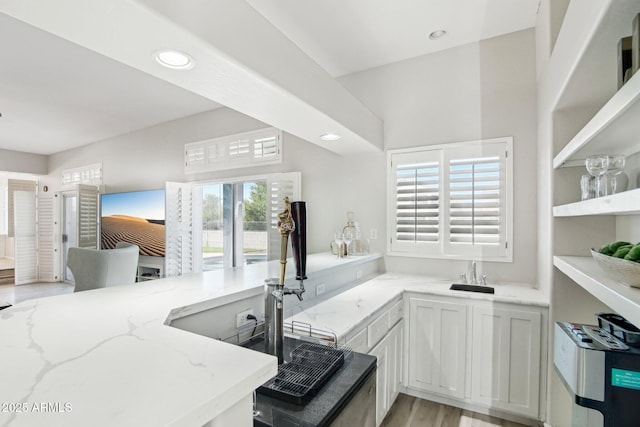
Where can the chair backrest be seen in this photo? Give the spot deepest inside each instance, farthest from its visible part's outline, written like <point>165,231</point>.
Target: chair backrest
<point>93,268</point>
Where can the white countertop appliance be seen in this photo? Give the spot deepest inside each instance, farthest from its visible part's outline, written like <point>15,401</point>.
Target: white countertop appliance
<point>601,372</point>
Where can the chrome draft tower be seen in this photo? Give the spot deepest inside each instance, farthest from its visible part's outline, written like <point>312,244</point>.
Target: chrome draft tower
<point>274,290</point>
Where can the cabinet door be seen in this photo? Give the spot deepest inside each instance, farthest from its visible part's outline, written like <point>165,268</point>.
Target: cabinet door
<point>506,359</point>
<point>382,385</point>
<point>437,346</point>
<point>395,361</point>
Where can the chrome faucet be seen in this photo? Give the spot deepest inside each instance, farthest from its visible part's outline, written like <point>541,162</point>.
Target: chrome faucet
<point>474,276</point>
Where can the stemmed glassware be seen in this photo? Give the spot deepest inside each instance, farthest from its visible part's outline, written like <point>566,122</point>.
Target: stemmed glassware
<point>615,167</point>
<point>348,237</point>
<point>597,166</point>
<point>338,237</point>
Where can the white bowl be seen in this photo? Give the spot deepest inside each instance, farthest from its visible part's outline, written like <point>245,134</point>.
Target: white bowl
<point>625,271</point>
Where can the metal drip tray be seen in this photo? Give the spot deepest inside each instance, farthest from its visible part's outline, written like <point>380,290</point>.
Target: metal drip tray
<point>311,366</point>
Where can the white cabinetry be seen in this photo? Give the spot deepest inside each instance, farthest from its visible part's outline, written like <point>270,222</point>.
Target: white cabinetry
<point>383,337</point>
<point>478,353</point>
<point>505,359</point>
<point>388,352</point>
<point>437,346</point>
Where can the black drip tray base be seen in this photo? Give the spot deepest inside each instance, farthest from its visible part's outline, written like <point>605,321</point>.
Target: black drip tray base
<point>472,288</point>
<point>310,368</point>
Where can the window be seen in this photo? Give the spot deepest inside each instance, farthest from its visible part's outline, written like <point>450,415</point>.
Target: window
<point>451,201</point>
<point>90,175</point>
<point>240,219</point>
<point>260,147</point>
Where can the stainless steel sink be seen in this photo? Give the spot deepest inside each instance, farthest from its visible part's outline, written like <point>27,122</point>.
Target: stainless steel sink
<point>472,288</point>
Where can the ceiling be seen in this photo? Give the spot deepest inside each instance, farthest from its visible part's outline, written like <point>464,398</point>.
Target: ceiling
<point>56,95</point>
<point>344,37</point>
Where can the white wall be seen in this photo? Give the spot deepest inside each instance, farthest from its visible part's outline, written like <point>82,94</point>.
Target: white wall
<point>147,158</point>
<point>480,90</point>
<point>16,161</point>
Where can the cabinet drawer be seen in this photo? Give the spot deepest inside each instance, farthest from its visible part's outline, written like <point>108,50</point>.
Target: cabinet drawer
<point>359,342</point>
<point>395,313</point>
<point>378,329</point>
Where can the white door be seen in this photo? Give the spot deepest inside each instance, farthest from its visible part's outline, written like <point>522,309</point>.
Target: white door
<point>26,242</point>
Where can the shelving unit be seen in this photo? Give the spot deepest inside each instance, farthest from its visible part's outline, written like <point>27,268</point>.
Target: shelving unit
<point>582,112</point>
<point>585,272</point>
<point>585,63</point>
<point>614,129</point>
<point>625,203</point>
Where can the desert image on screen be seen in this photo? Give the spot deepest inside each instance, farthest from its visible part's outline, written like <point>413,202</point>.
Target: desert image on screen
<point>134,217</point>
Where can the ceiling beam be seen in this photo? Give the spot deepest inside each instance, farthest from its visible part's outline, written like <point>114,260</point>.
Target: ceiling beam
<point>241,60</point>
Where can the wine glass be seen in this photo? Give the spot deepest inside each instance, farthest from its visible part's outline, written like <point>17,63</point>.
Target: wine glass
<point>597,166</point>
<point>348,238</point>
<point>616,164</point>
<point>338,237</point>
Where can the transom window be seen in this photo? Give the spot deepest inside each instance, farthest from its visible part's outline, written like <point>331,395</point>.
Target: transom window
<point>451,201</point>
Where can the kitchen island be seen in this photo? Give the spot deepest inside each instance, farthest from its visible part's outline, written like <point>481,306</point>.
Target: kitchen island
<point>107,357</point>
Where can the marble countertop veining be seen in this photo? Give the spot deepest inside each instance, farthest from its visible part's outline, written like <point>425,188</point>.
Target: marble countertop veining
<point>345,312</point>
<point>106,357</point>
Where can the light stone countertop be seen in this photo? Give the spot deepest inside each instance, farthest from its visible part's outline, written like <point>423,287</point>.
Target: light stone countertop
<point>106,357</point>
<point>345,312</point>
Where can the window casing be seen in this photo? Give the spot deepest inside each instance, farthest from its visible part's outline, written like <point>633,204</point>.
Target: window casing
<point>451,201</point>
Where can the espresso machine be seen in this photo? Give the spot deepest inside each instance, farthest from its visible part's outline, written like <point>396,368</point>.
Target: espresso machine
<point>291,222</point>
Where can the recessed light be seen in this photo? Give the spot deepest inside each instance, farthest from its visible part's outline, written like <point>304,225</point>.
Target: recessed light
<point>438,34</point>
<point>330,136</point>
<point>174,59</point>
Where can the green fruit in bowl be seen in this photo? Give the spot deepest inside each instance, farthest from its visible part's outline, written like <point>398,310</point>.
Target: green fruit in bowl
<point>622,251</point>
<point>611,248</point>
<point>634,254</point>
<point>604,249</point>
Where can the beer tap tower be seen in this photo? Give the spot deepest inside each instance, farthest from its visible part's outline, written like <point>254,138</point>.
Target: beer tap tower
<point>274,289</point>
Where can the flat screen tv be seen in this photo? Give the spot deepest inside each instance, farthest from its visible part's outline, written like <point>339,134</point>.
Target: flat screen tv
<point>135,217</point>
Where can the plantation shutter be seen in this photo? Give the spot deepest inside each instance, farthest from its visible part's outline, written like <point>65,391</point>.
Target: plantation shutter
<point>476,214</point>
<point>279,186</point>
<point>87,216</point>
<point>14,185</point>
<point>235,151</point>
<point>46,238</point>
<point>415,201</point>
<point>26,244</point>
<point>451,201</point>
<point>3,208</point>
<point>183,228</point>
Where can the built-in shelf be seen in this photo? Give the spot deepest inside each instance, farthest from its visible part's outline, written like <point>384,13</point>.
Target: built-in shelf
<point>613,130</point>
<point>584,59</point>
<point>585,272</point>
<point>625,203</point>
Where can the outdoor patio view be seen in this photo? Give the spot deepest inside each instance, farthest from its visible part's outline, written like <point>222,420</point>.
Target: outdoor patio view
<point>219,237</point>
